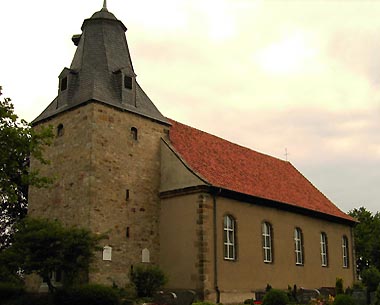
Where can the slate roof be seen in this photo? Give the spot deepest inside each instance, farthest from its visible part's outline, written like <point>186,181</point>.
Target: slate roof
<point>96,73</point>
<point>230,166</point>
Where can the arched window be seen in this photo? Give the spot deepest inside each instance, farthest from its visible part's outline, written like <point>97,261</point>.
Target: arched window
<point>267,234</point>
<point>298,246</point>
<point>60,130</point>
<point>345,252</point>
<point>229,238</point>
<point>134,133</point>
<point>324,250</point>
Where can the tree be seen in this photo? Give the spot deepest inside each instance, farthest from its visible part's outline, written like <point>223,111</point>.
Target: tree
<point>371,278</point>
<point>366,234</point>
<point>44,246</point>
<point>18,142</point>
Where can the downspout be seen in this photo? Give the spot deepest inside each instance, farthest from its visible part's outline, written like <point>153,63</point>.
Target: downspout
<point>353,260</point>
<point>215,248</point>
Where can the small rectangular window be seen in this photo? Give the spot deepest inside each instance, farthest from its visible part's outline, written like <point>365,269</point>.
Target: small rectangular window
<point>127,82</point>
<point>64,84</point>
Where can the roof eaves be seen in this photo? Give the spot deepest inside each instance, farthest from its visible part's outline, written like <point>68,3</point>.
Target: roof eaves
<point>282,206</point>
<point>43,118</point>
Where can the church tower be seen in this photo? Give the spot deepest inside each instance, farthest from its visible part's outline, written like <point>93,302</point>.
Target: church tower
<point>105,158</point>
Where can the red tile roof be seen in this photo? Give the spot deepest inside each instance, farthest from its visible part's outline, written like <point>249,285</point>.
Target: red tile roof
<point>233,167</point>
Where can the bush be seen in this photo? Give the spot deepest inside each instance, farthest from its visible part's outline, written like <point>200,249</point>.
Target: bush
<point>29,299</point>
<point>343,299</point>
<point>90,294</point>
<point>10,290</point>
<point>203,303</point>
<point>275,297</point>
<point>339,286</point>
<point>148,280</point>
<point>249,301</point>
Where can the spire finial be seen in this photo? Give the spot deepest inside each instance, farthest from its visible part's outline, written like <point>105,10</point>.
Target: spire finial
<point>104,5</point>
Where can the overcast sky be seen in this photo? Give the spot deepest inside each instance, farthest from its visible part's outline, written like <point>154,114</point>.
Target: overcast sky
<point>270,75</point>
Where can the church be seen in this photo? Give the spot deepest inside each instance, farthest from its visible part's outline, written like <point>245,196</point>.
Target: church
<point>217,218</point>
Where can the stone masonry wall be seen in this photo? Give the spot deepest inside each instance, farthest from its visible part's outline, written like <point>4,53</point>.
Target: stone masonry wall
<point>97,162</point>
<point>124,165</point>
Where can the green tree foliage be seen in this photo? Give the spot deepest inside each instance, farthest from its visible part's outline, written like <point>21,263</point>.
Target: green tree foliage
<point>366,234</point>
<point>43,246</point>
<point>148,280</point>
<point>371,278</point>
<point>18,142</point>
<point>275,297</point>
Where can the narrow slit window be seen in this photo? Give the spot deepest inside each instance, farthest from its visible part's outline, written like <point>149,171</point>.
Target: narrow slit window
<point>127,194</point>
<point>127,232</point>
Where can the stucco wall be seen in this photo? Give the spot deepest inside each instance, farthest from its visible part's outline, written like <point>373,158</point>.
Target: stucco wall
<point>174,174</point>
<point>249,272</point>
<point>179,241</point>
<point>183,217</point>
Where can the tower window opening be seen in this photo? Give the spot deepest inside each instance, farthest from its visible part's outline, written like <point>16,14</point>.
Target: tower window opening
<point>60,130</point>
<point>127,194</point>
<point>64,84</point>
<point>127,232</point>
<point>134,133</point>
<point>127,82</point>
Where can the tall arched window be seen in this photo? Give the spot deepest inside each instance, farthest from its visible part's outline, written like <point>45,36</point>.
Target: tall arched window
<point>298,246</point>
<point>267,242</point>
<point>229,238</point>
<point>324,250</point>
<point>345,252</point>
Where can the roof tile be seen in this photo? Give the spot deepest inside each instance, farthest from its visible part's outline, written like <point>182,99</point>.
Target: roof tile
<point>237,168</point>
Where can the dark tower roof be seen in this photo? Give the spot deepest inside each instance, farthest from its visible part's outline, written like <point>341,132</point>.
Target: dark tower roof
<point>101,71</point>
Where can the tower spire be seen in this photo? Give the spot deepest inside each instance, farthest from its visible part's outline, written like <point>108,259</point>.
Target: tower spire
<point>104,6</point>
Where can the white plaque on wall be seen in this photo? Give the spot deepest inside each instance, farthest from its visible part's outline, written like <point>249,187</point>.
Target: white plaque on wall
<point>145,256</point>
<point>107,253</point>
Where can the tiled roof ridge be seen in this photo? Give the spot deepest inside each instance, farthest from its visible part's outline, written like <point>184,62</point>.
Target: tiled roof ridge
<point>230,142</point>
